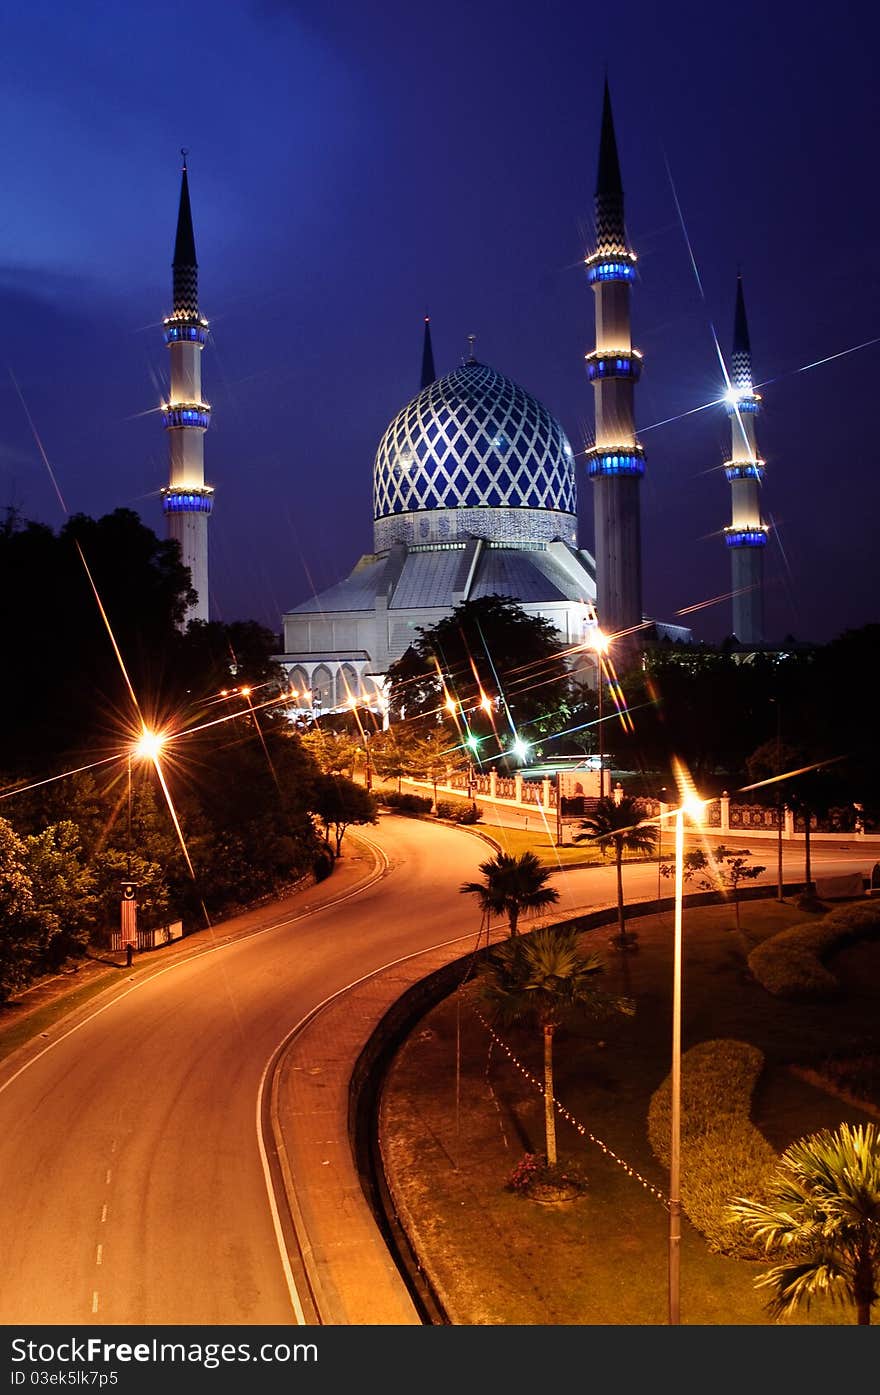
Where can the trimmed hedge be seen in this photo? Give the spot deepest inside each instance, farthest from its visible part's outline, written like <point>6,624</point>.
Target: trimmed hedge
<point>789,964</point>
<point>406,803</point>
<point>722,1153</point>
<point>458,812</point>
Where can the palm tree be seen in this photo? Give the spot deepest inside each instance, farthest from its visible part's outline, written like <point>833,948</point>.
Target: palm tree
<point>824,1212</point>
<point>511,884</point>
<point>619,826</point>
<point>546,977</point>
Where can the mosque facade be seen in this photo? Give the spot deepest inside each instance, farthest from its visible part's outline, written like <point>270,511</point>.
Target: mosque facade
<point>475,494</point>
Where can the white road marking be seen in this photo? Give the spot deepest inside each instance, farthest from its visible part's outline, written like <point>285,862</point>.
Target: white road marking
<point>104,1212</point>
<point>108,1176</point>
<point>99,1257</point>
<point>95,1301</point>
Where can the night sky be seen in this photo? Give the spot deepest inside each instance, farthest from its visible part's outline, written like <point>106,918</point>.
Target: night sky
<point>354,165</point>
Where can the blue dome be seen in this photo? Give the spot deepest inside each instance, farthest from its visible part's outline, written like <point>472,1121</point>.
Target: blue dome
<point>459,458</point>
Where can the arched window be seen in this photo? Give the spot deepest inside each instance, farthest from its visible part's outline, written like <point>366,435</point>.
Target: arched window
<point>346,685</point>
<point>322,687</point>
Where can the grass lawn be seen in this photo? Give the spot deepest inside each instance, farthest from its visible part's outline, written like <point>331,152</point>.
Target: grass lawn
<point>536,840</point>
<point>458,1115</point>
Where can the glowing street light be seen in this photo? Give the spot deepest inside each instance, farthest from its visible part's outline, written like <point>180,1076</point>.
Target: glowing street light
<point>521,748</point>
<point>486,703</point>
<point>693,808</point>
<point>147,747</point>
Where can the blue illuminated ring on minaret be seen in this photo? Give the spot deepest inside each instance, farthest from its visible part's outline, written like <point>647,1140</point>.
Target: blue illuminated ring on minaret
<point>745,537</point>
<point>744,470</point>
<point>176,414</point>
<point>604,265</point>
<point>183,327</point>
<point>742,401</point>
<point>182,499</point>
<point>615,461</point>
<point>614,363</point>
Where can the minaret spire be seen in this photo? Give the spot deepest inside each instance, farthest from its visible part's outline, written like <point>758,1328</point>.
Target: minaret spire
<point>616,462</point>
<point>428,373</point>
<point>184,265</point>
<point>746,536</point>
<point>187,501</point>
<point>610,231</point>
<point>741,361</point>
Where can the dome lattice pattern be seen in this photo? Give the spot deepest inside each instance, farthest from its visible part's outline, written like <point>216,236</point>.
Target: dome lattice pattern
<point>473,439</point>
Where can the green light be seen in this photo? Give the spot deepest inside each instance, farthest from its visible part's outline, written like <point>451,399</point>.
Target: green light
<point>473,741</point>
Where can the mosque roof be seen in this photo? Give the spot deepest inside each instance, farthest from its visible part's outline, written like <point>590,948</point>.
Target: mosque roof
<point>473,439</point>
<point>440,577</point>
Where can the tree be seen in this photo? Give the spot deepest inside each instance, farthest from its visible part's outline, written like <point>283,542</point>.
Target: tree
<point>63,889</point>
<point>394,752</point>
<point>113,867</point>
<point>823,1215</point>
<point>339,803</point>
<point>512,883</point>
<point>547,978</point>
<point>620,827</point>
<point>144,590</point>
<point>333,751</point>
<point>490,647</point>
<point>807,791</point>
<point>211,656</point>
<point>18,942</point>
<point>727,867</point>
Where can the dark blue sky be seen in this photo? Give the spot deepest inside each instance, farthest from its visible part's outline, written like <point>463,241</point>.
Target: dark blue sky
<point>353,164</point>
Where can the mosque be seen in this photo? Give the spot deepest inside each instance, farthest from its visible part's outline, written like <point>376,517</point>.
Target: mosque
<point>475,491</point>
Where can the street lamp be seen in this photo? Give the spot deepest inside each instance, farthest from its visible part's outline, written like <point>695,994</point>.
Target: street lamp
<point>147,747</point>
<point>599,645</point>
<point>693,807</point>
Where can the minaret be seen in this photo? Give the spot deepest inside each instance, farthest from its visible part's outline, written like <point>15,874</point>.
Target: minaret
<point>616,462</point>
<point>187,501</point>
<point>746,536</point>
<point>428,374</point>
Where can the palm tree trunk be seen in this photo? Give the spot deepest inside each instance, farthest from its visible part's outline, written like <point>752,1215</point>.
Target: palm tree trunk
<point>513,912</point>
<point>863,1287</point>
<point>621,919</point>
<point>549,1111</point>
<point>808,873</point>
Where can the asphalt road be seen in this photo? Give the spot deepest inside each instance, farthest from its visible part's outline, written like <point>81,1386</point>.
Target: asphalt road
<point>134,1186</point>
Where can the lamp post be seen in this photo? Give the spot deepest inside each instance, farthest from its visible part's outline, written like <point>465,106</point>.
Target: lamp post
<point>780,803</point>
<point>599,644</point>
<point>147,747</point>
<point>692,807</point>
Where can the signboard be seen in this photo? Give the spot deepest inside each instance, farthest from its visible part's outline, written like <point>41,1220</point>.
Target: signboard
<point>128,924</point>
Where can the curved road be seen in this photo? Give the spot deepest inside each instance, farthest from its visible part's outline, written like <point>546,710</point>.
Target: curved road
<point>134,1186</point>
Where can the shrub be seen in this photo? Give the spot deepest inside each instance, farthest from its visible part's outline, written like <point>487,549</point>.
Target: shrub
<point>722,1153</point>
<point>789,964</point>
<point>458,812</point>
<point>406,803</point>
<point>534,1176</point>
<point>322,864</point>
